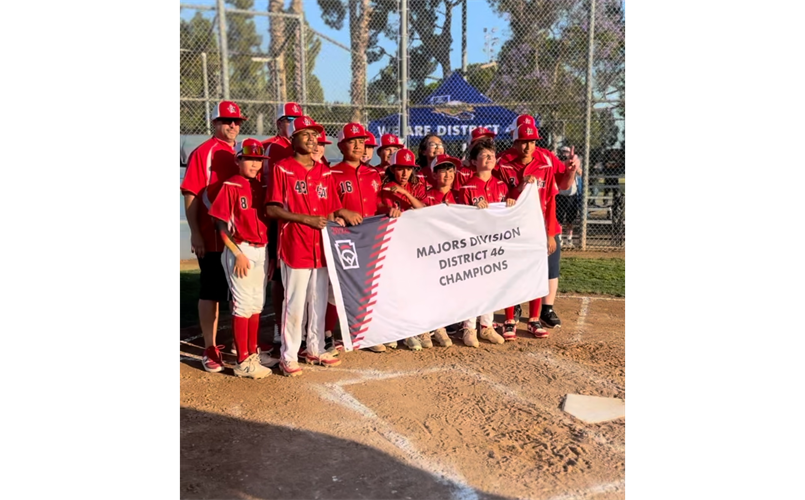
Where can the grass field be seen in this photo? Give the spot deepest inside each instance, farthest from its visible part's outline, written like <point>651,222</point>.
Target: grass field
<point>578,275</point>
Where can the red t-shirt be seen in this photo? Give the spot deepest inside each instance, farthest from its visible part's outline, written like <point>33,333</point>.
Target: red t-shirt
<point>357,187</point>
<point>302,191</point>
<point>387,199</point>
<point>235,206</point>
<point>434,197</point>
<point>546,184</point>
<point>494,190</point>
<point>209,166</point>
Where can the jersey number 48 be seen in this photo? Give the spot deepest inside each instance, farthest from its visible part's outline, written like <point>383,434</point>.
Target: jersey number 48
<point>301,187</point>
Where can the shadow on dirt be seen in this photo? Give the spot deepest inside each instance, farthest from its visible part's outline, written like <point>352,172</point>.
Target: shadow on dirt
<point>224,457</point>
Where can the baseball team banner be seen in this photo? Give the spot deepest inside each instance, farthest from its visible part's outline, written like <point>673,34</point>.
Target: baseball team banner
<point>432,267</point>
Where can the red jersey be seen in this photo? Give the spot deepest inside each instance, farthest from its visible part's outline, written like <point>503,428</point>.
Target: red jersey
<point>494,190</point>
<point>235,206</point>
<point>546,183</point>
<point>277,148</point>
<point>357,187</point>
<point>425,175</point>
<point>463,174</point>
<point>434,197</point>
<point>387,199</point>
<point>209,166</point>
<point>544,156</point>
<point>381,169</point>
<point>302,191</point>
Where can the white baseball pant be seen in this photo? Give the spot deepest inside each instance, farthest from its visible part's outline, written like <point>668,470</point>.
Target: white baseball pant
<point>486,320</point>
<point>303,287</point>
<point>249,292</point>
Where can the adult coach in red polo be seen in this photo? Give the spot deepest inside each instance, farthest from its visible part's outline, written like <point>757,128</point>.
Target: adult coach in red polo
<point>303,198</point>
<point>277,148</point>
<point>209,166</point>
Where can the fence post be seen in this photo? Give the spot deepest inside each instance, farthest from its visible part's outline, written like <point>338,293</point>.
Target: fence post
<point>303,57</point>
<point>224,49</point>
<point>404,72</point>
<point>206,92</point>
<point>586,165</point>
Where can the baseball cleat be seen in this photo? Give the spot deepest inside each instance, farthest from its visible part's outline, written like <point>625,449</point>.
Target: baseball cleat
<point>392,345</point>
<point>470,337</point>
<point>440,335</point>
<point>550,319</point>
<point>509,331</point>
<point>413,344</point>
<point>251,368</point>
<point>325,359</point>
<point>290,369</point>
<point>266,359</point>
<point>212,359</point>
<point>489,334</point>
<point>535,329</point>
<point>425,340</point>
<point>377,348</point>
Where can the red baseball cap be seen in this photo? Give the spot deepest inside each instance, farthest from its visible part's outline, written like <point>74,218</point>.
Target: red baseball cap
<point>352,131</point>
<point>525,133</point>
<point>403,158</point>
<point>387,140</point>
<point>291,109</point>
<point>371,141</point>
<point>305,122</point>
<point>442,159</point>
<point>479,132</point>
<point>227,109</point>
<point>323,138</point>
<point>252,148</point>
<point>521,120</point>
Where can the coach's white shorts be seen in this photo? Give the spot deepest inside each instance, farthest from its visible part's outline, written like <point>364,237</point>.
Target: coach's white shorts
<point>249,292</point>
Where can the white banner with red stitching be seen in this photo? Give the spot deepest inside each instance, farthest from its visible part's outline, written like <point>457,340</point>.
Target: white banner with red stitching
<point>432,267</point>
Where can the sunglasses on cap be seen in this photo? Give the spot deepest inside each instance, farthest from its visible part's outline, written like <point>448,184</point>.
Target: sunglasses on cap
<point>290,119</point>
<point>251,150</point>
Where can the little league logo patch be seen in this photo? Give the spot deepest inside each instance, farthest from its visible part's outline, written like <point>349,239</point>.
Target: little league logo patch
<point>347,254</point>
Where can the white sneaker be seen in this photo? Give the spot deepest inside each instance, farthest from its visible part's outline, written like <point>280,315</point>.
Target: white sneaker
<point>425,340</point>
<point>489,333</point>
<point>470,337</point>
<point>251,368</point>
<point>413,344</point>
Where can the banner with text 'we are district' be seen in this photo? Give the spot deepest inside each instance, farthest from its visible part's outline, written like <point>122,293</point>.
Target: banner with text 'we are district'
<point>432,267</point>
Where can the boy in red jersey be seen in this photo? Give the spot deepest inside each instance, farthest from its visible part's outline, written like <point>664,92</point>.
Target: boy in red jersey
<point>389,144</point>
<point>245,236</point>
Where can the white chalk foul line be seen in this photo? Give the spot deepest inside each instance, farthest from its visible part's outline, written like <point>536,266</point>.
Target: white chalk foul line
<point>585,307</point>
<point>443,473</point>
<point>591,297</point>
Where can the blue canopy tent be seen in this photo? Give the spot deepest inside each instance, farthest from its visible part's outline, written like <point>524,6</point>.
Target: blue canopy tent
<point>450,114</point>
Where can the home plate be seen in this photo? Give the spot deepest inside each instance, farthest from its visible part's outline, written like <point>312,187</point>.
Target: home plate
<point>594,409</point>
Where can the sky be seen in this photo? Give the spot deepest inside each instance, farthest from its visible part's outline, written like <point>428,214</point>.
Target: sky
<point>333,62</point>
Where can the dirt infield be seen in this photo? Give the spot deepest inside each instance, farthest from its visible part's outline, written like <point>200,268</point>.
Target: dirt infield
<point>453,422</point>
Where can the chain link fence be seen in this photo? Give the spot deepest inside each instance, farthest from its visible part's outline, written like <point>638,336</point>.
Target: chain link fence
<point>468,64</point>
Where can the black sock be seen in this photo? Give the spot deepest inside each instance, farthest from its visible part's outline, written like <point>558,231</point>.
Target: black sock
<point>547,308</point>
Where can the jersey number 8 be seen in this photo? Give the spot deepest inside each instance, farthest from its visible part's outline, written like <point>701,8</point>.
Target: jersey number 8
<point>243,203</point>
